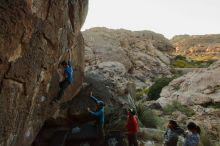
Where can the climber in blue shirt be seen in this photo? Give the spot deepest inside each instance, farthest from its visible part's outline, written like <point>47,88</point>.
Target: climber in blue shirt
<point>99,113</point>
<point>99,116</point>
<point>68,77</point>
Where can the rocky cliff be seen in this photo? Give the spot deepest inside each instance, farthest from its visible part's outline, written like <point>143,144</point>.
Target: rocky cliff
<point>201,87</point>
<point>34,36</point>
<point>119,56</point>
<point>198,46</point>
<point>198,91</point>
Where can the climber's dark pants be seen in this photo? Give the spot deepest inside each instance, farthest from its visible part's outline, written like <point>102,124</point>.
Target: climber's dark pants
<point>101,135</point>
<point>132,140</point>
<point>63,85</point>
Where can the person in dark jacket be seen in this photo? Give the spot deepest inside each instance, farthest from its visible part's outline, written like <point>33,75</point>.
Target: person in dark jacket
<point>132,127</point>
<point>99,115</point>
<point>172,134</point>
<point>68,77</point>
<point>192,135</point>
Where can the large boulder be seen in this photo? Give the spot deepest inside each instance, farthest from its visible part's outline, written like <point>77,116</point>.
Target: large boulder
<point>34,36</point>
<point>201,87</point>
<point>209,122</point>
<point>141,55</point>
<point>198,91</point>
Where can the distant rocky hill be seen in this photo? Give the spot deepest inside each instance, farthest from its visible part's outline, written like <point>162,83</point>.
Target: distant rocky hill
<point>198,46</point>
<point>123,55</point>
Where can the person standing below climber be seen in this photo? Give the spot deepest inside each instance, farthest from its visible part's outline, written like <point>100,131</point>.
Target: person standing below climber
<point>172,133</point>
<point>132,127</point>
<point>192,135</point>
<point>99,115</point>
<point>68,77</point>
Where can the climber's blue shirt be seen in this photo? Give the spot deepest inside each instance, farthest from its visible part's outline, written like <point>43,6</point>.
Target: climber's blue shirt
<point>100,113</point>
<point>69,72</point>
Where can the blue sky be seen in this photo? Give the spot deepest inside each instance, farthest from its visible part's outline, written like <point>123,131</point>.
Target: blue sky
<point>168,17</point>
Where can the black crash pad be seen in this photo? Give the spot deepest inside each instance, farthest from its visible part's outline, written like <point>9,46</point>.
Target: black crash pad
<point>58,138</point>
<point>87,131</point>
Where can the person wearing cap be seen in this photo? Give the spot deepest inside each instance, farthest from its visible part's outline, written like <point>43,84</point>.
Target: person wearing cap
<point>68,77</point>
<point>132,127</point>
<point>99,115</point>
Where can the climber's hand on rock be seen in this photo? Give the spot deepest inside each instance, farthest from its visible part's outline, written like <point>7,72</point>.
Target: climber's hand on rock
<point>88,109</point>
<point>91,94</point>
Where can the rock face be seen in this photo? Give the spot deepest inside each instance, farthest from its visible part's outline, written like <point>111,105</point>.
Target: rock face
<point>199,92</point>
<point>195,88</point>
<point>202,46</point>
<point>121,56</point>
<point>209,121</point>
<point>34,36</point>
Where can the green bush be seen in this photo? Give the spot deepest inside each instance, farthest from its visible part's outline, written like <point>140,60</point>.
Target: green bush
<point>147,117</point>
<point>214,105</point>
<point>141,92</point>
<point>176,106</point>
<point>205,139</point>
<point>155,89</point>
<point>180,57</point>
<point>182,62</point>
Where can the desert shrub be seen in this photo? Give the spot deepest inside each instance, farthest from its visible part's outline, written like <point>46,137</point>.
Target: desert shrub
<point>155,89</point>
<point>208,138</point>
<point>217,87</point>
<point>201,63</point>
<point>217,144</point>
<point>150,134</point>
<point>148,117</point>
<point>214,105</point>
<point>182,62</point>
<point>177,106</point>
<point>180,57</point>
<point>205,139</point>
<point>141,92</point>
